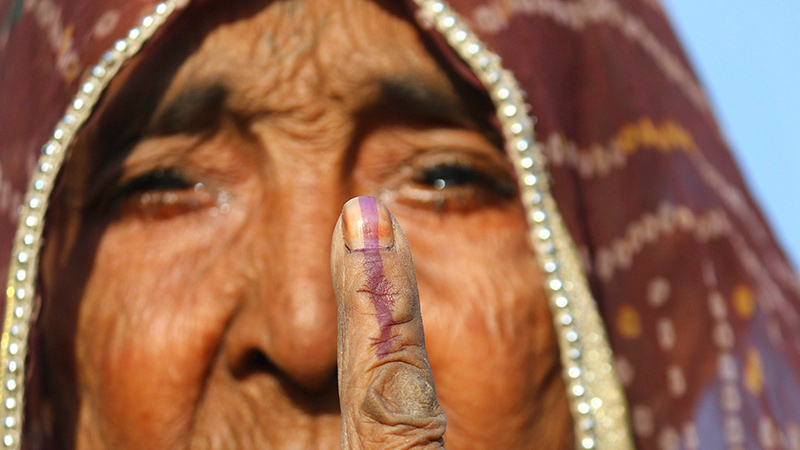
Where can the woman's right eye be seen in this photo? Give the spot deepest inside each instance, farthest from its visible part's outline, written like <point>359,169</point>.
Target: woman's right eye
<point>162,193</point>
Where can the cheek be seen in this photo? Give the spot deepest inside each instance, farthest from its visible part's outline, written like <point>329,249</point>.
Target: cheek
<point>488,329</point>
<point>152,314</point>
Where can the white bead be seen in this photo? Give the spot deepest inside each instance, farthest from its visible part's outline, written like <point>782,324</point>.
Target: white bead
<point>50,149</point>
<point>571,336</point>
<point>133,33</point>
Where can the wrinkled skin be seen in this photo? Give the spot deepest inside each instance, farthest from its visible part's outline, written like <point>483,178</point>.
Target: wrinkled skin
<point>189,301</point>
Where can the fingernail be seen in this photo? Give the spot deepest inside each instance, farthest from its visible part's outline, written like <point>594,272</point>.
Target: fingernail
<point>367,224</point>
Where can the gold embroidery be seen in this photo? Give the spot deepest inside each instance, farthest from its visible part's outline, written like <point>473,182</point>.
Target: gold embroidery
<point>743,301</point>
<point>753,372</point>
<point>629,324</point>
<point>665,137</point>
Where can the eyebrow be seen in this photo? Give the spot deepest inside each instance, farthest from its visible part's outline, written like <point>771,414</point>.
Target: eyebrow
<point>413,100</point>
<point>193,110</point>
<point>399,99</point>
<point>407,99</point>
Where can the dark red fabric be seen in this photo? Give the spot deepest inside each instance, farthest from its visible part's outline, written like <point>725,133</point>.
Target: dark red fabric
<point>699,301</point>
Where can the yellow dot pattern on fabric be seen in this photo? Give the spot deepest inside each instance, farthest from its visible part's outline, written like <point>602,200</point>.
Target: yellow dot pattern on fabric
<point>743,301</point>
<point>629,324</point>
<point>668,136</point>
<point>753,372</point>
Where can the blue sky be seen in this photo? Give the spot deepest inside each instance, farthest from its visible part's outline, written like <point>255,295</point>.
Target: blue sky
<point>747,54</point>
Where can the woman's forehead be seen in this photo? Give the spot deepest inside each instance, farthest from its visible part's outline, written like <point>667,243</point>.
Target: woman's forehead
<point>364,62</point>
<point>294,53</point>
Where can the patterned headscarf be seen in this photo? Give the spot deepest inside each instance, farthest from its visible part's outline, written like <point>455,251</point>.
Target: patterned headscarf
<point>638,214</point>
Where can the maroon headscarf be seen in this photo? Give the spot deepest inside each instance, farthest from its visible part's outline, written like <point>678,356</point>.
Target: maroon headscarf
<point>699,303</point>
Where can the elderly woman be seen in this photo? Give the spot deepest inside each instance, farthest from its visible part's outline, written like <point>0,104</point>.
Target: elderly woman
<point>174,284</point>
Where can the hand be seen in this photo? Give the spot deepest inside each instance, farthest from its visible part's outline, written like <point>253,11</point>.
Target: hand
<point>386,390</point>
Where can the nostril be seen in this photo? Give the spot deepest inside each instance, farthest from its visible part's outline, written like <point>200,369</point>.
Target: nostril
<point>254,362</point>
<point>251,363</point>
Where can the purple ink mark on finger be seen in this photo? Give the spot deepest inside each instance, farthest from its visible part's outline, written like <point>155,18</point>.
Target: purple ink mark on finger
<point>378,286</point>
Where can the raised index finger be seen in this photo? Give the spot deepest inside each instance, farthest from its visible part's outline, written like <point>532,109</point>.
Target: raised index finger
<point>386,389</point>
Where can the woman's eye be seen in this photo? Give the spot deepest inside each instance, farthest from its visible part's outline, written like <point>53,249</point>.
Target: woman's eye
<point>162,194</point>
<point>459,186</point>
<point>453,176</point>
<point>157,180</point>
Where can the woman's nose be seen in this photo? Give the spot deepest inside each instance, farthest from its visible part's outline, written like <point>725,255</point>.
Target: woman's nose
<point>287,323</point>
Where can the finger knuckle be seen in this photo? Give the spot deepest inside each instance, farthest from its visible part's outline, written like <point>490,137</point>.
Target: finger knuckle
<point>401,400</point>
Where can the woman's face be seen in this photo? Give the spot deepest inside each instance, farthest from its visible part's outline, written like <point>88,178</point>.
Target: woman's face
<point>187,282</point>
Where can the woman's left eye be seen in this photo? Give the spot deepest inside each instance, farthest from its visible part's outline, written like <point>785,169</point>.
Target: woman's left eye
<point>457,185</point>
<point>451,176</point>
<point>162,194</point>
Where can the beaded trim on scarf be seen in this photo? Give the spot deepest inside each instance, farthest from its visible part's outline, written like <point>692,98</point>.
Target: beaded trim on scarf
<point>21,287</point>
<point>597,402</point>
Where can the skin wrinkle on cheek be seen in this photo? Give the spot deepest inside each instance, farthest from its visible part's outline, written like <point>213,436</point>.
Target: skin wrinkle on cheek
<point>378,287</point>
